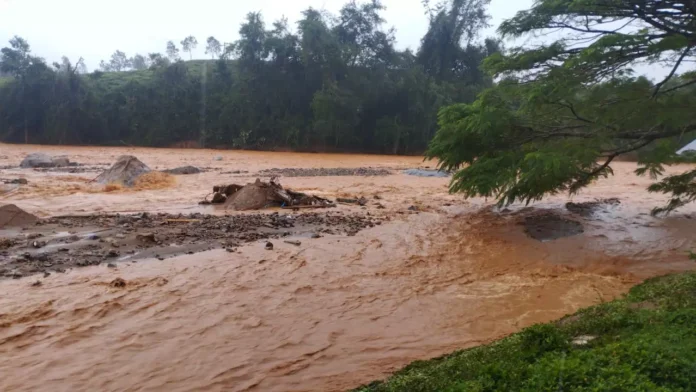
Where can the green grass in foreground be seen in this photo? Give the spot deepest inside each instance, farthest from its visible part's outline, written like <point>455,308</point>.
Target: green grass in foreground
<point>644,342</point>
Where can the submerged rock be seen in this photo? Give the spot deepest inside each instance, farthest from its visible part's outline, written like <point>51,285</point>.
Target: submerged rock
<point>184,170</point>
<point>39,159</point>
<point>551,226</point>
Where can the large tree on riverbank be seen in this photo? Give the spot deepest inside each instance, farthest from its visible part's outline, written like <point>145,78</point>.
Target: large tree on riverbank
<point>566,107</point>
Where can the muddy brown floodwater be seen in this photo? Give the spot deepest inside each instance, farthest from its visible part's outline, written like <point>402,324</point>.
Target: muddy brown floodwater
<point>436,275</point>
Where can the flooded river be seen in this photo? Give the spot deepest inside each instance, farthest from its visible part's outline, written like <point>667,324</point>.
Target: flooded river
<point>439,274</point>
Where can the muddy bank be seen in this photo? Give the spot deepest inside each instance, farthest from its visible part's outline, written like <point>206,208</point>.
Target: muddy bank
<point>58,244</point>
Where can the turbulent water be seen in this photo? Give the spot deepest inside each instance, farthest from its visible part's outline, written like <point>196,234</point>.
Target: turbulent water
<point>329,315</point>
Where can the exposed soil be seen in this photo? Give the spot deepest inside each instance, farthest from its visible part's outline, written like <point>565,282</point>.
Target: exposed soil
<point>57,244</point>
<point>326,172</point>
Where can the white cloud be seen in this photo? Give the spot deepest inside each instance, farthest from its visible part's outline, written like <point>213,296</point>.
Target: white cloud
<point>94,29</point>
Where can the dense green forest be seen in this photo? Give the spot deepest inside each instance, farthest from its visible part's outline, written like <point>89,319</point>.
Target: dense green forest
<point>329,83</point>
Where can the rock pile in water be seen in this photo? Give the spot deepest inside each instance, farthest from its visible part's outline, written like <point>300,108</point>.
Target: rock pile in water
<point>125,171</point>
<point>39,159</point>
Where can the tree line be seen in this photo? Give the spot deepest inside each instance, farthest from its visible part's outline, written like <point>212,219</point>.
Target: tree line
<point>330,83</point>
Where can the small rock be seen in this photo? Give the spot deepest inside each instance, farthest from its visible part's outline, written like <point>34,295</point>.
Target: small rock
<point>112,253</point>
<point>219,198</point>
<point>38,244</point>
<point>47,274</point>
<point>42,257</point>
<point>92,237</point>
<point>120,236</point>
<point>413,208</point>
<point>146,237</point>
<point>315,235</point>
<point>118,283</point>
<point>33,236</point>
<point>111,265</point>
<point>218,158</point>
<point>15,274</point>
<point>296,243</point>
<point>36,284</point>
<point>269,246</point>
<point>20,181</point>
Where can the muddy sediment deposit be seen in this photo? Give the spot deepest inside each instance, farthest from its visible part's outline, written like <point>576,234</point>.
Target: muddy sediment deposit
<point>61,243</point>
<point>341,297</point>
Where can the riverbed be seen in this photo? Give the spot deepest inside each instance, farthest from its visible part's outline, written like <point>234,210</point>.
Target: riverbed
<point>437,274</point>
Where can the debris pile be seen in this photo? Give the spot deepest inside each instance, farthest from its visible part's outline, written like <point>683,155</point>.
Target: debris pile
<point>39,159</point>
<point>16,181</point>
<point>326,172</point>
<point>258,195</point>
<point>125,171</point>
<point>13,216</point>
<point>426,173</point>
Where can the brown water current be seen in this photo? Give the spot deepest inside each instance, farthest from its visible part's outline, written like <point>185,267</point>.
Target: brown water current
<point>330,314</point>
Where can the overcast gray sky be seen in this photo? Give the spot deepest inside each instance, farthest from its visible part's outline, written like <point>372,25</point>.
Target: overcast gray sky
<point>94,29</point>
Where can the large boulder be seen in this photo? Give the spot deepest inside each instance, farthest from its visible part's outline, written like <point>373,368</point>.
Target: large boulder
<point>39,159</point>
<point>125,171</point>
<point>13,216</point>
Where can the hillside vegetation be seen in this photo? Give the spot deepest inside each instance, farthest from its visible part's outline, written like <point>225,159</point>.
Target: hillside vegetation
<point>330,83</point>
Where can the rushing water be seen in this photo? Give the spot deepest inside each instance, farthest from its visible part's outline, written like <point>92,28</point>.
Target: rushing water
<point>329,315</point>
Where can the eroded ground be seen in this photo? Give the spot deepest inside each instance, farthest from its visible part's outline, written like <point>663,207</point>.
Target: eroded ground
<point>436,274</point>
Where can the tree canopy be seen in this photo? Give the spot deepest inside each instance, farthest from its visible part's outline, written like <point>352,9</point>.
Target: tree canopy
<point>326,83</point>
<point>567,105</point>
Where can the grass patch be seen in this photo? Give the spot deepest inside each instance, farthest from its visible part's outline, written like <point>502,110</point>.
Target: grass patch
<point>643,342</point>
